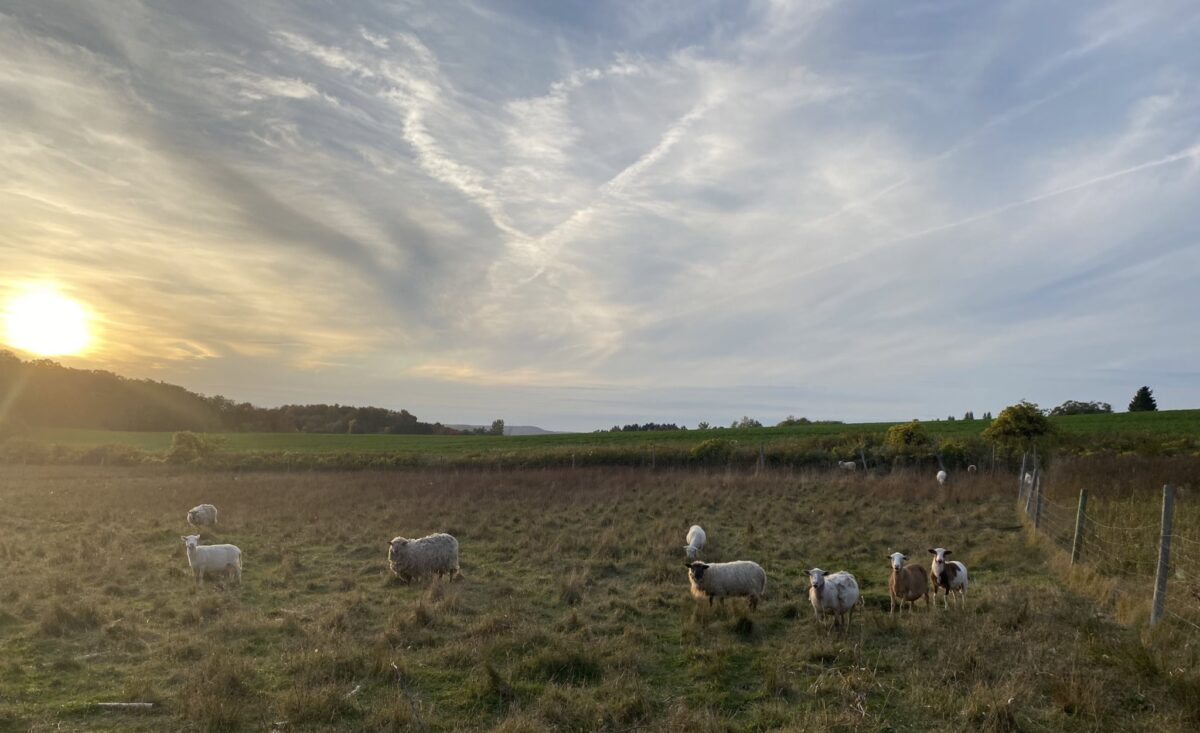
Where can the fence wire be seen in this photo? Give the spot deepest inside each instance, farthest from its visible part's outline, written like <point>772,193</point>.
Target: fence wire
<point>1126,551</point>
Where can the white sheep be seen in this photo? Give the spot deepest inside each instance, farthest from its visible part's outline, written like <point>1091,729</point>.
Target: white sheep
<point>833,593</point>
<point>204,515</point>
<point>906,584</point>
<point>412,559</point>
<point>695,541</point>
<point>724,579</point>
<point>950,576</point>
<point>941,478</point>
<point>848,465</point>
<point>972,469</point>
<point>204,559</point>
<point>1028,480</point>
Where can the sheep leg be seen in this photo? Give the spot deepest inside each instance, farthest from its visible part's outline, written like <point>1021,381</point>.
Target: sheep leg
<point>753,602</point>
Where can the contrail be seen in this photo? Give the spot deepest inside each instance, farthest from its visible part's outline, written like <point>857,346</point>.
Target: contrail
<point>1192,152</point>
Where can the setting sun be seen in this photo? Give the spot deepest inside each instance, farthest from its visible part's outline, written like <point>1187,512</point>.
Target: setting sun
<point>45,322</point>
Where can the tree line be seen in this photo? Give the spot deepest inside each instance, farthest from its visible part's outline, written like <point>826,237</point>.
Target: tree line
<point>43,393</point>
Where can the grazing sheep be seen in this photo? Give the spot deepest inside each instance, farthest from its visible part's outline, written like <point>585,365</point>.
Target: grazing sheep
<point>204,559</point>
<point>950,576</point>
<point>848,465</point>
<point>412,559</point>
<point>972,469</point>
<point>1028,480</point>
<point>941,478</point>
<point>722,579</point>
<point>204,515</point>
<point>695,541</point>
<point>907,584</point>
<point>833,593</point>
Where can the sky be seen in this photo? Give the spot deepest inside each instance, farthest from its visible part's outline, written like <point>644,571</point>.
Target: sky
<point>578,214</point>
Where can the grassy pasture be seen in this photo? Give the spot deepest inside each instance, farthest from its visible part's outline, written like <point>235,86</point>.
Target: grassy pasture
<point>574,612</point>
<point>1167,423</point>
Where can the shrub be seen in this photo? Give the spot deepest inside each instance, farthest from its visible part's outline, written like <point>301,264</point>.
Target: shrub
<point>187,446</point>
<point>712,452</point>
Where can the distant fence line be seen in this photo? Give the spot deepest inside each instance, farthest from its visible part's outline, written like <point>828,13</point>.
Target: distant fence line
<point>1156,552</point>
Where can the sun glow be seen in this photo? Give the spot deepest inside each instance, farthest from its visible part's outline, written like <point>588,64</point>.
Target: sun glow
<point>43,321</point>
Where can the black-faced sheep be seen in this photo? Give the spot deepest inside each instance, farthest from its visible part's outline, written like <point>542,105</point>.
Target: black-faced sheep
<point>725,579</point>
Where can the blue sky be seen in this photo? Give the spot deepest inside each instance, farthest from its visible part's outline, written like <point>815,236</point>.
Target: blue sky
<point>581,214</point>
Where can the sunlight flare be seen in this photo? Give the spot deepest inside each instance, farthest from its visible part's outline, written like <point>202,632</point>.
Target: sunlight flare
<point>43,321</point>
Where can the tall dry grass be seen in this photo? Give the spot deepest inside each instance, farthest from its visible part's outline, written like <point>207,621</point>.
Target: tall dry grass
<point>574,613</point>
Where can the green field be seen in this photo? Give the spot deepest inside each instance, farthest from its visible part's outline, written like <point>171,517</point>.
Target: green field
<point>1161,424</point>
<point>574,613</point>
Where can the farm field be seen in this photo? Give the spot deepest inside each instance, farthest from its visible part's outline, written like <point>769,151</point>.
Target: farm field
<point>1166,423</point>
<point>574,612</point>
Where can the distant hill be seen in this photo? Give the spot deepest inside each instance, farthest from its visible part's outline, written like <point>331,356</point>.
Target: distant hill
<point>45,394</point>
<point>509,429</point>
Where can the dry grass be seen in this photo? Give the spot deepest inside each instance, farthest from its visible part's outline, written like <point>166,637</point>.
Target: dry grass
<point>574,612</point>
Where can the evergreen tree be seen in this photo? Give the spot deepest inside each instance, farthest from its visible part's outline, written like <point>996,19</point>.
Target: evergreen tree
<point>1143,401</point>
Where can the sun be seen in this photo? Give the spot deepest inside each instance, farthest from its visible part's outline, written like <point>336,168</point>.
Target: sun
<point>43,321</point>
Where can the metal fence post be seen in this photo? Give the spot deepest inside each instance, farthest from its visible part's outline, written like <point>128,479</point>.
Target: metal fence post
<point>1077,545</point>
<point>1164,552</point>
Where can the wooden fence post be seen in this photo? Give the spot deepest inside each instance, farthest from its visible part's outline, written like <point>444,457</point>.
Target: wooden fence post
<point>1037,508</point>
<point>1029,492</point>
<point>863,455</point>
<point>1020,476</point>
<point>1164,552</point>
<point>1077,545</point>
<point>762,460</point>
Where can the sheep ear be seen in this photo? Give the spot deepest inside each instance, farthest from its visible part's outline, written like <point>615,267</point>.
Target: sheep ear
<point>182,538</point>
<point>932,551</point>
<point>948,552</point>
<point>824,573</point>
<point>904,557</point>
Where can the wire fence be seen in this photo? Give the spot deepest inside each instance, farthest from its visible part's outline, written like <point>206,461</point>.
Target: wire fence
<point>1144,546</point>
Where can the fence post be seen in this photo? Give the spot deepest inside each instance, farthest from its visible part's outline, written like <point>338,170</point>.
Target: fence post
<point>1033,482</point>
<point>653,458</point>
<point>1164,552</point>
<point>1037,509</point>
<point>863,455</point>
<point>1077,545</point>
<point>1020,476</point>
<point>572,461</point>
<point>762,460</point>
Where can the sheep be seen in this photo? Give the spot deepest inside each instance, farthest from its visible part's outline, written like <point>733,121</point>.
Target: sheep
<point>412,559</point>
<point>907,584</point>
<point>1028,480</point>
<point>848,465</point>
<point>205,559</point>
<point>695,541</point>
<point>941,478</point>
<point>950,576</point>
<point>204,515</point>
<point>972,469</point>
<point>833,593</point>
<point>722,579</point>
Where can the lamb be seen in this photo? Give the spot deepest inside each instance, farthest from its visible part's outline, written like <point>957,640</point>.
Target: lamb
<point>203,559</point>
<point>950,576</point>
<point>722,579</point>
<point>907,584</point>
<point>695,541</point>
<point>204,515</point>
<point>833,593</point>
<point>941,478</point>
<point>412,559</point>
<point>848,465</point>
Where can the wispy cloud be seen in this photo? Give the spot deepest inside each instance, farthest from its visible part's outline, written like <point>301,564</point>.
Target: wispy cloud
<point>610,212</point>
